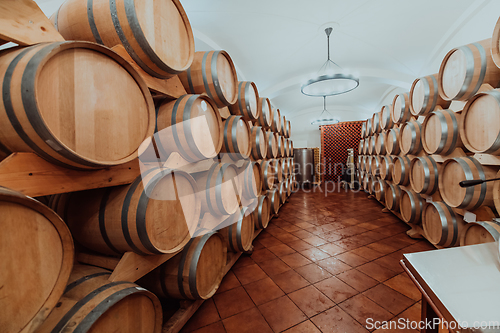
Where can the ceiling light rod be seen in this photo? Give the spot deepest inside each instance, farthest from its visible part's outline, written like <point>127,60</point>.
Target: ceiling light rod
<point>328,32</point>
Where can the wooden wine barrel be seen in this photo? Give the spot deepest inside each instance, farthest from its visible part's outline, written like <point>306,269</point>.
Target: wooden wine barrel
<point>258,140</point>
<point>276,125</point>
<point>91,303</point>
<point>465,69</point>
<point>401,170</point>
<point>195,273</point>
<point>440,132</point>
<point>289,130</point>
<point>424,96</point>
<point>284,167</point>
<point>363,130</point>
<point>442,226</point>
<point>392,197</point>
<point>393,142</point>
<point>160,41</point>
<point>358,162</point>
<point>190,126</point>
<point>479,233</point>
<point>368,165</point>
<point>385,117</point>
<point>375,166</point>
<point>281,146</point>
<point>251,175</point>
<point>400,111</point>
<point>386,166</point>
<point>368,183</point>
<point>480,125</point>
<point>268,174</point>
<point>247,101</point>
<point>496,193</point>
<point>369,127</point>
<point>376,126</point>
<point>34,276</point>
<point>379,189</point>
<point>495,44</point>
<point>291,148</point>
<point>282,191</point>
<point>212,73</point>
<point>458,169</point>
<point>64,102</point>
<point>239,234</point>
<point>132,217</point>
<point>363,163</point>
<point>278,170</point>
<point>371,148</point>
<point>265,118</point>
<point>411,206</point>
<point>262,212</point>
<point>272,144</point>
<point>366,145</point>
<point>237,139</point>
<point>274,198</point>
<point>219,189</point>
<point>411,138</point>
<point>361,146</point>
<point>289,187</point>
<point>284,127</point>
<point>424,173</point>
<point>380,143</point>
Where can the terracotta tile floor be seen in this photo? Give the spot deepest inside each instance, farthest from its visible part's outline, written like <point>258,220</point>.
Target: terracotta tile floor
<point>325,264</point>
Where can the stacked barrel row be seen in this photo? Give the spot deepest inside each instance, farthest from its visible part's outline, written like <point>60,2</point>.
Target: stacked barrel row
<point>92,110</point>
<point>446,129</point>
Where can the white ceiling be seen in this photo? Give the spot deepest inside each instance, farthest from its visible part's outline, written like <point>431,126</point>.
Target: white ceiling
<point>278,44</point>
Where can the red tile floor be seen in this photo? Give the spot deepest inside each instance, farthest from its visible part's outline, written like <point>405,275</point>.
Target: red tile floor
<point>326,264</point>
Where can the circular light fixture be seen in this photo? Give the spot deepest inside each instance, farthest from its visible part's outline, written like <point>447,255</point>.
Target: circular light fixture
<point>322,120</point>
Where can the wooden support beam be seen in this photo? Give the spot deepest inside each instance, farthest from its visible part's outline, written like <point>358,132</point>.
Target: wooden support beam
<point>133,266</point>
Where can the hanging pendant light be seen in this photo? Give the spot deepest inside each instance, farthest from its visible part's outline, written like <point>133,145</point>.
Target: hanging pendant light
<point>333,81</point>
<point>325,118</point>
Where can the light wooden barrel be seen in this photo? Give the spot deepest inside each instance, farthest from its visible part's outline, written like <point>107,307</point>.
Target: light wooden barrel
<point>195,273</point>
<point>401,170</point>
<point>480,125</point>
<point>276,125</point>
<point>289,148</point>
<point>380,143</point>
<point>361,146</point>
<point>368,165</point>
<point>465,69</point>
<point>369,127</point>
<point>262,212</point>
<point>282,191</point>
<point>265,117</point>
<point>274,198</point>
<point>289,131</point>
<point>480,232</point>
<point>285,168</point>
<point>236,138</point>
<point>385,117</point>
<point>363,130</point>
<point>411,206</point>
<point>496,193</point>
<point>284,127</point>
<point>424,173</point>
<point>458,169</point>
<point>272,144</point>
<point>219,189</point>
<point>366,145</point>
<point>362,165</point>
<point>400,111</point>
<point>440,132</point>
<point>424,96</point>
<point>239,234</point>
<point>251,174</point>
<point>281,146</point>
<point>91,303</point>
<point>268,174</point>
<point>379,189</point>
<point>393,142</point>
<point>442,226</point>
<point>161,41</point>
<point>371,148</point>
<point>392,197</point>
<point>247,101</point>
<point>134,217</point>
<point>289,187</point>
<point>46,108</point>
<point>358,162</point>
<point>34,276</point>
<point>375,165</point>
<point>190,126</point>
<point>376,126</point>
<point>278,171</point>
<point>258,140</point>
<point>212,73</point>
<point>386,166</point>
<point>411,138</point>
<point>368,183</point>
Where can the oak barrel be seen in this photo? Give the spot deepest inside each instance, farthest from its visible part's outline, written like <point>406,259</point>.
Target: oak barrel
<point>36,258</point>
<point>91,303</point>
<point>411,206</point>
<point>385,117</point>
<point>363,130</point>
<point>495,44</point>
<point>480,125</point>
<point>195,273</point>
<point>376,127</point>
<point>375,165</point>
<point>265,118</point>
<point>393,142</point>
<point>282,191</point>
<point>64,102</point>
<point>276,125</point>
<point>392,197</point>
<point>212,73</point>
<point>411,138</point>
<point>458,169</point>
<point>400,111</point>
<point>278,170</point>
<point>251,175</point>
<point>285,169</point>
<point>237,140</point>
<point>480,232</point>
<point>239,231</point>
<point>441,132</point>
<point>369,127</point>
<point>160,41</point>
<point>371,147</point>
<point>268,174</point>
<point>464,69</point>
<point>153,215</point>
<point>424,173</point>
<point>386,165</point>
<point>361,147</point>
<point>191,126</point>
<point>401,170</point>
<point>262,212</point>
<point>281,146</point>
<point>442,226</point>
<point>274,198</point>
<point>247,102</point>
<point>424,96</point>
<point>284,127</point>
<point>272,144</point>
<point>379,189</point>
<point>366,145</point>
<point>259,145</point>
<point>380,143</point>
